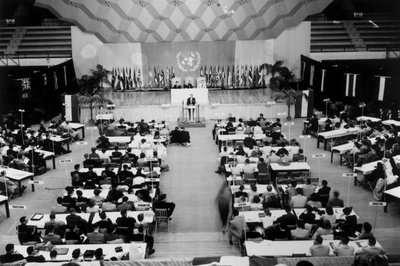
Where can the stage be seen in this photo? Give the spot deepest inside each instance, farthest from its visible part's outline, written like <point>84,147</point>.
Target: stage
<point>160,105</point>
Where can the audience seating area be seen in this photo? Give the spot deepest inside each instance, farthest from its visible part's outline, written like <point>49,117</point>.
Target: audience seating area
<point>36,42</point>
<point>360,35</point>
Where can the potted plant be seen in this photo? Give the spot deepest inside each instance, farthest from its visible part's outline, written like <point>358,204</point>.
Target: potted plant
<point>287,96</point>
<point>91,93</point>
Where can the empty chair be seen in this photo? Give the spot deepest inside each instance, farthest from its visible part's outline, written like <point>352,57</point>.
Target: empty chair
<point>161,216</point>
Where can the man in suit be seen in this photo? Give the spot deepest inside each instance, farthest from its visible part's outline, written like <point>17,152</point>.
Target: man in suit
<point>371,249</point>
<point>32,255</point>
<point>287,219</point>
<point>319,250</point>
<point>125,221</point>
<point>162,203</point>
<point>11,255</point>
<point>51,236</point>
<point>236,227</point>
<point>96,237</point>
<point>191,101</point>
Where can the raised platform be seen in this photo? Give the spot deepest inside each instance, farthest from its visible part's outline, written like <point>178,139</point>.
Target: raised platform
<point>201,123</point>
<point>243,103</point>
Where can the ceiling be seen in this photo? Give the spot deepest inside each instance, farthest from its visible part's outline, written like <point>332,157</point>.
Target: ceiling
<point>119,21</point>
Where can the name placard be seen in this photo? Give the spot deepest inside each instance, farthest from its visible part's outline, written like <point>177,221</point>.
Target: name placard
<point>18,207</point>
<point>305,136</point>
<point>349,175</point>
<point>35,182</point>
<point>91,128</point>
<point>66,161</point>
<point>377,204</point>
<point>318,155</point>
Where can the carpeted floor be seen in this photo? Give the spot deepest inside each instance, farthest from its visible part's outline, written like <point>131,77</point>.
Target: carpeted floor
<point>192,184</point>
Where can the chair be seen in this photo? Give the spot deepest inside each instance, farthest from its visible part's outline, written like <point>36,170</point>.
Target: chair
<point>120,230</point>
<point>296,174</point>
<point>323,198</point>
<point>264,178</point>
<point>161,216</point>
<point>116,160</point>
<point>314,180</point>
<point>249,178</point>
<point>281,175</point>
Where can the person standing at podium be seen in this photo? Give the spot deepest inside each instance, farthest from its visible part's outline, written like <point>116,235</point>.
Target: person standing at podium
<point>191,103</point>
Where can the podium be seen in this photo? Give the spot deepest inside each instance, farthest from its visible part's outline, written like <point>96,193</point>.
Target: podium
<point>190,113</point>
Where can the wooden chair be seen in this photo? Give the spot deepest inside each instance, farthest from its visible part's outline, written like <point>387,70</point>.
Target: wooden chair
<point>161,215</point>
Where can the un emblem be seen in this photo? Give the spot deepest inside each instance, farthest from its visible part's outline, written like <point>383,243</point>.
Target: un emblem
<point>188,60</point>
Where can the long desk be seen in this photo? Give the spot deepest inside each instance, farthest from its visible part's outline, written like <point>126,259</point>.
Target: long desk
<point>394,193</point>
<point>260,188</point>
<point>119,139</point>
<point>46,154</point>
<point>254,216</point>
<point>77,126</point>
<point>293,166</point>
<point>335,134</point>
<point>344,148</point>
<point>148,217</point>
<point>224,138</point>
<point>88,193</point>
<point>18,176</point>
<point>99,170</point>
<point>108,250</point>
<point>288,248</point>
<point>338,213</point>
<point>4,200</point>
<point>391,122</point>
<point>369,118</point>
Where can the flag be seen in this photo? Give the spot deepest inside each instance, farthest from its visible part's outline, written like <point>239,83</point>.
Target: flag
<point>250,77</point>
<point>25,85</point>
<point>55,80</point>
<point>44,79</point>
<point>237,76</point>
<point>322,79</point>
<point>167,77</point>
<point>172,73</point>
<point>303,69</point>
<point>65,75</point>
<point>312,68</point>
<point>351,79</point>
<point>124,79</point>
<point>162,81</point>
<point>155,77</point>
<point>201,72</point>
<point>139,79</point>
<point>223,78</point>
<point>132,77</point>
<point>229,81</point>
<point>255,76</point>
<point>113,78</point>
<point>382,85</point>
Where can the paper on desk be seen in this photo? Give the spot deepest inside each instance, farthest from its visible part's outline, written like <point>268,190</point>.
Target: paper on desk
<point>234,261</point>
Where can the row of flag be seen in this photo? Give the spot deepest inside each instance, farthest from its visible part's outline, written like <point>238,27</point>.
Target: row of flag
<point>130,78</point>
<point>125,78</point>
<point>350,83</point>
<point>233,76</point>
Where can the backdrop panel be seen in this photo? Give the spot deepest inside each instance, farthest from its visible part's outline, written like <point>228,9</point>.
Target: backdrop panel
<point>88,51</point>
<point>186,58</point>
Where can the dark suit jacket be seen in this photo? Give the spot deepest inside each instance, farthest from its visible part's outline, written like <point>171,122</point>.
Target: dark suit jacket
<point>191,101</point>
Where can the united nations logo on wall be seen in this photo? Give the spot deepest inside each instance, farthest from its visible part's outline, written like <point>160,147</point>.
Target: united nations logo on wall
<point>188,60</point>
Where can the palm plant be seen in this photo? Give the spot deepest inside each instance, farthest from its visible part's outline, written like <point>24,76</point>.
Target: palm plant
<point>91,90</point>
<point>287,96</point>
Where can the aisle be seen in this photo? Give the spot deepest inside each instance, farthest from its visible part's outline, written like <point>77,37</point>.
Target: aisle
<point>192,184</point>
